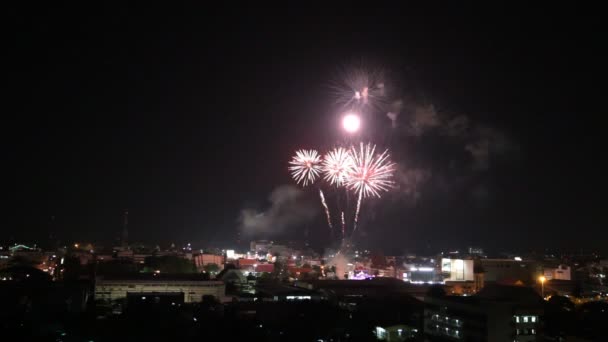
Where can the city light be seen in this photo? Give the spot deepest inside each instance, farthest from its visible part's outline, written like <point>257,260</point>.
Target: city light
<point>422,269</point>
<point>542,285</point>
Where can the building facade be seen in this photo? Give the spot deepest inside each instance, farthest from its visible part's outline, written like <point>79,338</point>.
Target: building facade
<point>201,260</point>
<point>457,269</point>
<point>561,272</point>
<point>495,314</point>
<point>509,271</point>
<point>193,289</point>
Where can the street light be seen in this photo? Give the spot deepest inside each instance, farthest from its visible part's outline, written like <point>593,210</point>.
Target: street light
<point>542,285</point>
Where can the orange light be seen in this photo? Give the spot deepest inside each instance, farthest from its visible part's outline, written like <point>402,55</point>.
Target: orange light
<point>542,279</point>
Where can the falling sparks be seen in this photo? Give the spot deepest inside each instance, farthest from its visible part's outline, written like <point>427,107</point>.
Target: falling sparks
<point>335,165</point>
<point>357,211</point>
<point>343,225</point>
<point>326,208</point>
<point>370,173</point>
<point>305,166</point>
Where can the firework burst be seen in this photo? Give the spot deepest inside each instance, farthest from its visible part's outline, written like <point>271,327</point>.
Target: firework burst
<point>359,87</point>
<point>305,166</point>
<point>370,174</point>
<point>335,166</point>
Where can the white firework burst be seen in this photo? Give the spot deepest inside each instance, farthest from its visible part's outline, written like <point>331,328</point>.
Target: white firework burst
<point>370,173</point>
<point>305,166</point>
<point>335,166</point>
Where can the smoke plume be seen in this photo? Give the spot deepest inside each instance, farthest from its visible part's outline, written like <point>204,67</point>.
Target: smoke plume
<point>288,208</point>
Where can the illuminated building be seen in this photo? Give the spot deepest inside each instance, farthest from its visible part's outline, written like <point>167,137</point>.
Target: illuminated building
<point>201,260</point>
<point>496,313</point>
<point>559,272</point>
<point>395,333</point>
<point>476,251</point>
<point>193,287</point>
<point>457,269</point>
<point>422,275</point>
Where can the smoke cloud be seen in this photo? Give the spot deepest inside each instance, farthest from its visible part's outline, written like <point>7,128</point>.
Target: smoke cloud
<point>423,119</point>
<point>410,182</point>
<point>288,208</point>
<point>481,142</point>
<point>488,143</point>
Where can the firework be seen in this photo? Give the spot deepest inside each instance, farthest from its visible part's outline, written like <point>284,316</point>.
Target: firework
<point>360,87</point>
<point>326,208</point>
<point>357,211</point>
<point>305,166</point>
<point>335,165</point>
<point>351,122</point>
<point>343,225</point>
<point>370,174</point>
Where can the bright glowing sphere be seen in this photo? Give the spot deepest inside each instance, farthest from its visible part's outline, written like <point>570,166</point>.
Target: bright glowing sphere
<point>351,123</point>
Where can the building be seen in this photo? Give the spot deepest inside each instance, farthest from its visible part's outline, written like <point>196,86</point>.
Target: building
<point>422,275</point>
<point>355,290</point>
<point>140,258</point>
<point>400,332</point>
<point>457,269</point>
<point>260,246</point>
<point>269,291</point>
<point>193,287</point>
<point>476,251</point>
<point>509,271</point>
<point>559,272</point>
<point>201,260</point>
<point>496,313</point>
<point>462,276</point>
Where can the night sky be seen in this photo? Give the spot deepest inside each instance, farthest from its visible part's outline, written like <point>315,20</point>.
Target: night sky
<point>187,116</point>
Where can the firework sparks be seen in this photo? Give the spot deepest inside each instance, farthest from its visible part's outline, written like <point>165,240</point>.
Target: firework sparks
<point>326,208</point>
<point>343,225</point>
<point>370,174</point>
<point>360,87</point>
<point>305,166</point>
<point>335,165</point>
<point>357,211</point>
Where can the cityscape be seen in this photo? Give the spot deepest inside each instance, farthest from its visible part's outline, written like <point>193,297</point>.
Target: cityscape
<point>268,290</point>
<point>265,173</point>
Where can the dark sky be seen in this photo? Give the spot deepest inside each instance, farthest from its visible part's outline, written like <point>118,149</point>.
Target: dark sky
<point>185,116</point>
